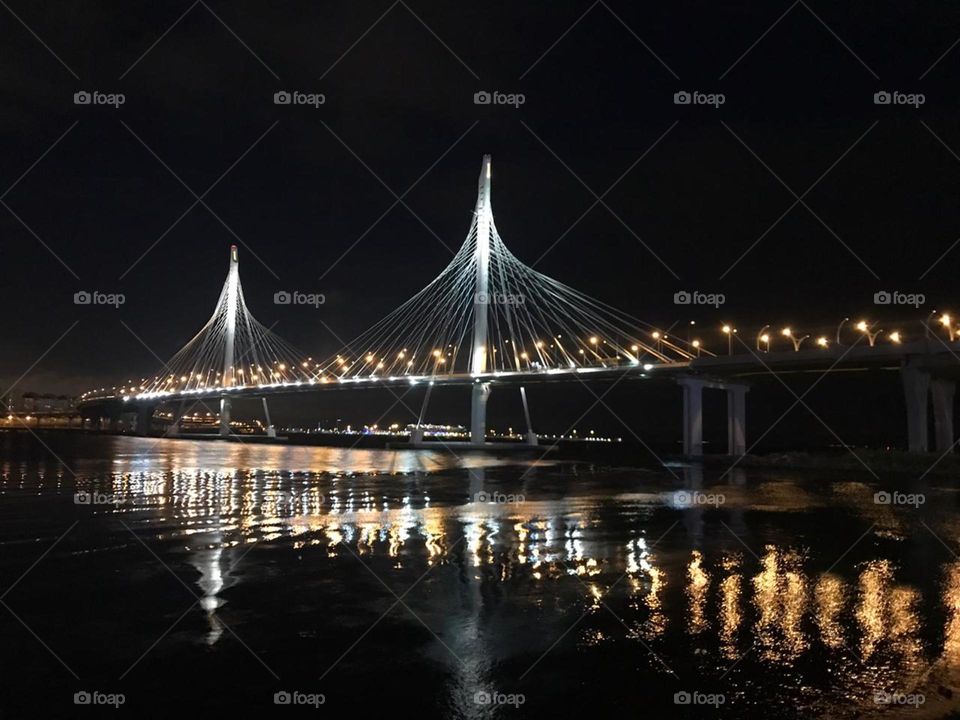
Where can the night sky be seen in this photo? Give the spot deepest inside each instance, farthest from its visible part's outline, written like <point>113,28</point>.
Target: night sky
<point>104,194</point>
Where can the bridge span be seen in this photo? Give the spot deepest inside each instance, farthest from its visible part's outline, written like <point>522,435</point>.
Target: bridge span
<point>488,320</point>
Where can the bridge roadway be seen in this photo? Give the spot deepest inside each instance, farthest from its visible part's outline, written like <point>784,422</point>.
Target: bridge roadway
<point>928,367</point>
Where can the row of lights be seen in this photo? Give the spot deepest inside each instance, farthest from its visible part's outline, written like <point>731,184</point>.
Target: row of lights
<point>870,331</point>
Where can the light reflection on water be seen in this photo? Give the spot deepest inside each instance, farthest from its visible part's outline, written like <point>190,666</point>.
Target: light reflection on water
<point>760,596</point>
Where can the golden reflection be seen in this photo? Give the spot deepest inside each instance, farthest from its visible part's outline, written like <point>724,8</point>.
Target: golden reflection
<point>951,602</point>
<point>905,626</point>
<point>766,601</point>
<point>795,599</point>
<point>698,582</point>
<point>873,605</point>
<point>781,596</point>
<point>657,622</point>
<point>830,596</point>
<point>731,589</point>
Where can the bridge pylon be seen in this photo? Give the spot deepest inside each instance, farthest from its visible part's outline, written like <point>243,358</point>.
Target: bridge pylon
<point>232,290</point>
<point>481,304</point>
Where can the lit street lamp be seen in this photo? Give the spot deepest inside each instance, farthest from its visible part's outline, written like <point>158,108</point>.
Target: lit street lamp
<point>946,321</point>
<point>763,337</point>
<point>868,331</point>
<point>839,327</point>
<point>787,332</point>
<point>729,331</point>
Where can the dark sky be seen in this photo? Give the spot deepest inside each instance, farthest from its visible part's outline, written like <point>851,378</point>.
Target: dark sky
<point>599,81</point>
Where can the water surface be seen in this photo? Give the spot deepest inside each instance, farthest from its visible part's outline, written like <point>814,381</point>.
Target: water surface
<point>208,576</point>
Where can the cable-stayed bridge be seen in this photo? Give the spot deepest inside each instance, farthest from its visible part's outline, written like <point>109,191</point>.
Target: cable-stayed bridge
<point>489,319</point>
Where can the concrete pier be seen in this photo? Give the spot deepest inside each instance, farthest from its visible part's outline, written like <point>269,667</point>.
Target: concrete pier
<point>693,414</point>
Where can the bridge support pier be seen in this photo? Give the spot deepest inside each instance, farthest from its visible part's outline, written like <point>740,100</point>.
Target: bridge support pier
<point>916,386</point>
<point>478,413</point>
<point>692,416</point>
<point>531,435</point>
<point>271,431</point>
<point>943,391</point>
<point>173,429</point>
<point>736,420</point>
<point>224,417</point>
<point>144,417</point>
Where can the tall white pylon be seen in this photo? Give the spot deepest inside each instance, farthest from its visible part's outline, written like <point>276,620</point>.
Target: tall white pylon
<point>481,298</point>
<point>481,304</point>
<point>231,352</point>
<point>232,289</point>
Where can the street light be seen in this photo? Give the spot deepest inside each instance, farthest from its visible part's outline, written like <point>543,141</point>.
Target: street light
<point>729,331</point>
<point>868,331</point>
<point>926,324</point>
<point>763,337</point>
<point>946,321</point>
<point>895,337</point>
<point>787,332</point>
<point>696,344</point>
<point>822,341</point>
<point>839,327</point>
